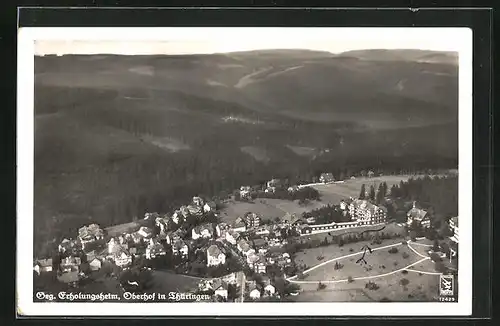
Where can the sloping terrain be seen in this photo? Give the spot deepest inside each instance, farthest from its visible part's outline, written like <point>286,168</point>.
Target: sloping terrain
<point>118,135</point>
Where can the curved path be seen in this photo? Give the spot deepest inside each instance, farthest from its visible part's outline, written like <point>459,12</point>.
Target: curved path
<point>416,252</point>
<point>424,258</point>
<point>365,277</point>
<point>342,257</point>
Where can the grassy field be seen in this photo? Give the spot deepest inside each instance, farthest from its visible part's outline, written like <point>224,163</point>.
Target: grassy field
<point>385,269</point>
<point>335,192</point>
<point>165,282</point>
<point>378,262</point>
<point>330,194</point>
<point>413,278</point>
<point>309,256</point>
<point>235,209</point>
<point>420,288</point>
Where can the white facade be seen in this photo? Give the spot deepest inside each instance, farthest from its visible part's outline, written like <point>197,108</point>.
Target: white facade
<point>95,264</point>
<point>122,259</point>
<point>232,237</point>
<point>254,294</point>
<point>269,289</point>
<point>215,256</point>
<point>201,232</point>
<point>221,292</point>
<point>366,212</point>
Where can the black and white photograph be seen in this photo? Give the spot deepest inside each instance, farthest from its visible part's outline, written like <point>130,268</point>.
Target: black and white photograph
<point>245,171</point>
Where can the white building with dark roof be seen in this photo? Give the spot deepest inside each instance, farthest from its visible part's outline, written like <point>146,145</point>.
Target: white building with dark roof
<point>215,256</point>
<point>367,213</point>
<point>180,248</point>
<point>155,249</point>
<point>326,177</point>
<point>43,266</point>
<point>419,216</point>
<point>202,231</point>
<point>454,228</point>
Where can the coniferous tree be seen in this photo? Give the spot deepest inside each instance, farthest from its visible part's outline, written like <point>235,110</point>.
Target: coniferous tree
<point>372,192</point>
<point>362,192</point>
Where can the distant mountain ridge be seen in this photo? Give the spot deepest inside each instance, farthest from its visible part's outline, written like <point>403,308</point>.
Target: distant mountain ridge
<point>116,136</point>
<point>428,56</point>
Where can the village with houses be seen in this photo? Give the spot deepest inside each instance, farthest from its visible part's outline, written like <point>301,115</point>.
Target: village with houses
<point>250,257</point>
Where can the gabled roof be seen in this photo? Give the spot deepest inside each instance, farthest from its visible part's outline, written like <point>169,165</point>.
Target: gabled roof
<point>238,222</point>
<point>244,245</point>
<point>417,213</point>
<point>178,244</point>
<point>253,258</point>
<point>366,205</point>
<point>204,227</point>
<point>234,234</point>
<point>214,250</point>
<point>71,260</point>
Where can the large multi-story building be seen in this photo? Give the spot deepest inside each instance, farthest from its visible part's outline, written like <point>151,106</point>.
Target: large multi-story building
<point>251,220</point>
<point>454,228</point>
<point>367,213</point>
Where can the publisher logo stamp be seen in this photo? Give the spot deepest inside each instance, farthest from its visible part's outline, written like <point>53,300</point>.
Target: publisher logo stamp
<point>446,285</point>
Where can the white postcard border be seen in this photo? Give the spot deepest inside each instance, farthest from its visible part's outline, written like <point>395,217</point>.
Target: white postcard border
<point>25,180</point>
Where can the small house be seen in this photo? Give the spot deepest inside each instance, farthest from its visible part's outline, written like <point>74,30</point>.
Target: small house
<point>43,266</point>
<point>70,263</point>
<point>269,290</point>
<point>245,192</point>
<point>244,247</point>
<point>326,177</point>
<point>232,237</point>
<point>145,232</point>
<point>180,248</point>
<point>95,264</point>
<point>198,201</point>
<point>221,289</point>
<point>202,231</point>
<point>210,207</point>
<point>253,292</point>
<point>221,229</point>
<point>215,256</point>
<point>239,225</point>
<point>122,258</point>
<point>155,249</point>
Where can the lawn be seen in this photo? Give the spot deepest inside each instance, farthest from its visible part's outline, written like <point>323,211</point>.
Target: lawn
<point>419,288</point>
<point>165,282</point>
<point>308,256</point>
<point>334,192</point>
<point>235,209</point>
<point>378,262</point>
<point>383,268</point>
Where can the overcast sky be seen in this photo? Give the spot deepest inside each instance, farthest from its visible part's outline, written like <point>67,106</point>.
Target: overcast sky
<point>219,40</point>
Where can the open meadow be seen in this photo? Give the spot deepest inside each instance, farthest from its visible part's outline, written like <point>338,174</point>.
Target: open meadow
<point>334,192</point>
<point>403,275</point>
<point>420,287</point>
<point>331,194</point>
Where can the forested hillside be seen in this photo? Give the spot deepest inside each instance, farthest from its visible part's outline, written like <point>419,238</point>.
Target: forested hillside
<point>116,136</point>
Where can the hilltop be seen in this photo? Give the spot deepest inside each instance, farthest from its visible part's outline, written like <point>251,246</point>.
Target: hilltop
<point>118,135</point>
